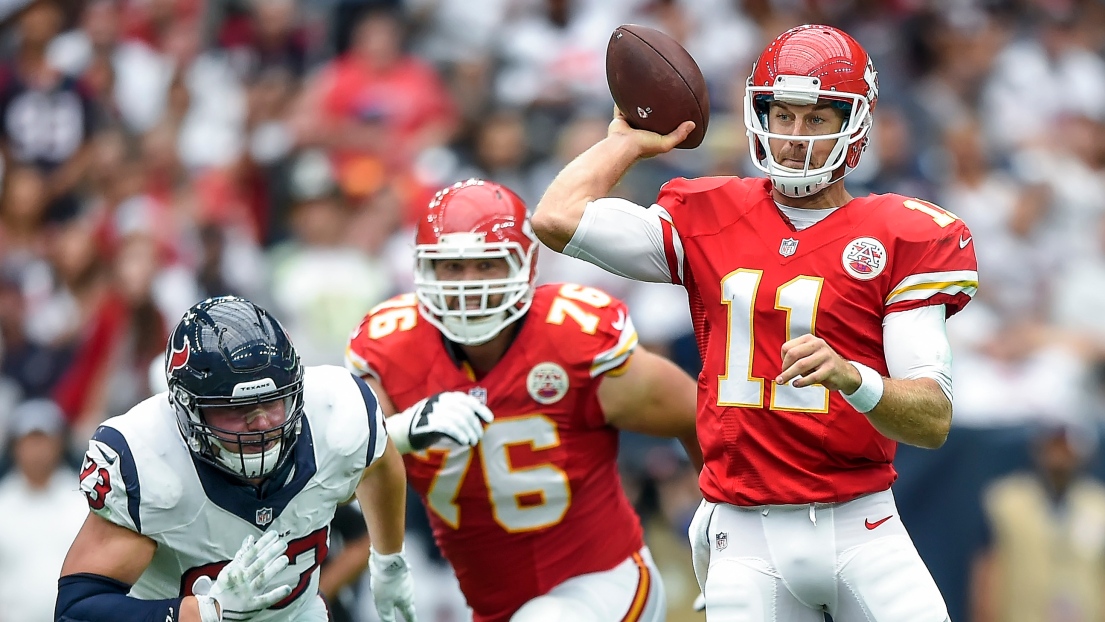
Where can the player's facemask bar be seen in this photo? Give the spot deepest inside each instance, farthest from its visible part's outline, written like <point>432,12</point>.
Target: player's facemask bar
<point>463,310</point>
<point>808,180</point>
<point>249,459</point>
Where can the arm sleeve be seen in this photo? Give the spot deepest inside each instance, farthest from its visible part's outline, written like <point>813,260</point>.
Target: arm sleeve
<point>628,240</point>
<point>915,343</point>
<point>94,598</point>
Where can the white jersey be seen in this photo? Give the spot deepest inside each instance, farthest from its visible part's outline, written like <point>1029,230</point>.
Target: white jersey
<point>139,474</point>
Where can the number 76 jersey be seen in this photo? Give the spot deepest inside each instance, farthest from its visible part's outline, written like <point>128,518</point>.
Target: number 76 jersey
<point>754,282</point>
<point>538,500</point>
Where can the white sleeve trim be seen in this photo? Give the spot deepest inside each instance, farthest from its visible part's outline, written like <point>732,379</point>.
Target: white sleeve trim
<point>926,285</point>
<point>355,364</point>
<point>915,343</point>
<point>617,356</point>
<point>626,239</point>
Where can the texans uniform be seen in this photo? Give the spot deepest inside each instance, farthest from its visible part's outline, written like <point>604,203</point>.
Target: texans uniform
<point>754,282</point>
<point>139,474</point>
<point>538,501</point>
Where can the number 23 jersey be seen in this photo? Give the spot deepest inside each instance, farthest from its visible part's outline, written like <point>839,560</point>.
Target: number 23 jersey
<point>139,474</point>
<point>539,499</point>
<point>754,282</point>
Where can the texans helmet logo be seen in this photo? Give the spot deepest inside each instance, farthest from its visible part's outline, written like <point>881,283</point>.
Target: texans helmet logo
<point>179,358</point>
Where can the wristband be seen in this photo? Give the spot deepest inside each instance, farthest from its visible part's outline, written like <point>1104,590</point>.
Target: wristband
<point>208,611</point>
<point>387,564</point>
<point>867,396</point>
<point>201,589</point>
<point>398,427</point>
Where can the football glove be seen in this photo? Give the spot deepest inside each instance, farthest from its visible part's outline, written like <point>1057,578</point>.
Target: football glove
<point>240,589</point>
<point>392,585</point>
<point>454,415</point>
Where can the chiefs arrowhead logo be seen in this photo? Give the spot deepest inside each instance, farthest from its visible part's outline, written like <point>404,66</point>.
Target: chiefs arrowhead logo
<point>179,358</point>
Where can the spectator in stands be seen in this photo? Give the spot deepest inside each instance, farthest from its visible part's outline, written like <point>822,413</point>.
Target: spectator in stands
<point>266,36</point>
<point>43,511</point>
<point>1045,555</point>
<point>125,330</point>
<point>45,115</point>
<point>376,99</point>
<point>321,283</point>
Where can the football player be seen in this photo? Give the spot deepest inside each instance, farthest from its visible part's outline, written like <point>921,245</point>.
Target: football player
<point>820,319</point>
<point>533,518</point>
<point>212,501</point>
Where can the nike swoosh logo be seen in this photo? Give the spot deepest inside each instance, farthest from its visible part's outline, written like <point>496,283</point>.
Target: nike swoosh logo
<point>964,242</point>
<point>620,323</point>
<point>868,524</point>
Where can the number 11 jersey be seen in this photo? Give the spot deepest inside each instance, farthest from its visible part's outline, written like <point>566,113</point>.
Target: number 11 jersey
<point>754,282</point>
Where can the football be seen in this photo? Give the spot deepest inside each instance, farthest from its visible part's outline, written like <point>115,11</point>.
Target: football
<point>656,83</point>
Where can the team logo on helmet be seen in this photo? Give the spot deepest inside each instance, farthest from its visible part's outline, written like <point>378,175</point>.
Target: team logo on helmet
<point>864,258</point>
<point>179,358</point>
<point>872,78</point>
<point>547,383</point>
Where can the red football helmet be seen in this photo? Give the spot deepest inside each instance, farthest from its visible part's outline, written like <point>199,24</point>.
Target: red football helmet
<point>802,66</point>
<point>475,219</point>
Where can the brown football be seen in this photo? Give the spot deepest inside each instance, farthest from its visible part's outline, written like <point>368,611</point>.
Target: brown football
<point>656,83</point>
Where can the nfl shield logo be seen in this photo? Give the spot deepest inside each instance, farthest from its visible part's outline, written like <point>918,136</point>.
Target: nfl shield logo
<point>721,540</point>
<point>264,516</point>
<point>479,393</point>
<point>788,246</point>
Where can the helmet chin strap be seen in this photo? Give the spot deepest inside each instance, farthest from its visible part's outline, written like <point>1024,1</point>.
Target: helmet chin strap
<point>252,463</point>
<point>474,332</point>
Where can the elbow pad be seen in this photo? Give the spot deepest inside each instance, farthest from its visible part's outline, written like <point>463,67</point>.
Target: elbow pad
<point>88,597</point>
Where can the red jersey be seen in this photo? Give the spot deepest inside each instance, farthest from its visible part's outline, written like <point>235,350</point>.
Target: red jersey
<point>538,500</point>
<point>754,282</point>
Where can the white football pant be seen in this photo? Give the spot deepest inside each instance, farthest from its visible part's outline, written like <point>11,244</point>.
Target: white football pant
<point>790,563</point>
<point>631,591</point>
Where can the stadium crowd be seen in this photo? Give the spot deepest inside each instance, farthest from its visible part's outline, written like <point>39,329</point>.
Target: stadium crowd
<point>158,152</point>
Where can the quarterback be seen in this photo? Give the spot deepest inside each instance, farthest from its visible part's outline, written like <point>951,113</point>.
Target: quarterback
<point>213,501</point>
<point>820,320</point>
<point>532,518</point>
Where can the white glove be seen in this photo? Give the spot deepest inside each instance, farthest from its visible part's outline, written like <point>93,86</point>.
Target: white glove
<point>699,535</point>
<point>453,414</point>
<point>392,585</point>
<point>240,588</point>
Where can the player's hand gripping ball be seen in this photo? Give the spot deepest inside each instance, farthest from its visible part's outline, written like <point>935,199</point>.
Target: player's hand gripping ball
<point>655,83</point>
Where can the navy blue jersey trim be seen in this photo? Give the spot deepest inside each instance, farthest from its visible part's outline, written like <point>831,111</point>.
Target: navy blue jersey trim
<point>261,508</point>
<point>114,439</point>
<point>373,408</point>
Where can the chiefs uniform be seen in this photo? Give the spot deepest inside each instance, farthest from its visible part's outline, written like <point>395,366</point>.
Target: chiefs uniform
<point>750,273</point>
<point>139,474</point>
<point>538,500</point>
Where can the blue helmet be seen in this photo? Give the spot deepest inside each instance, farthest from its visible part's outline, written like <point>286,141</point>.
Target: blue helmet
<point>227,351</point>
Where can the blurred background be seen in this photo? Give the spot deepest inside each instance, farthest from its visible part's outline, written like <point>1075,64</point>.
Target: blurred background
<point>157,152</point>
